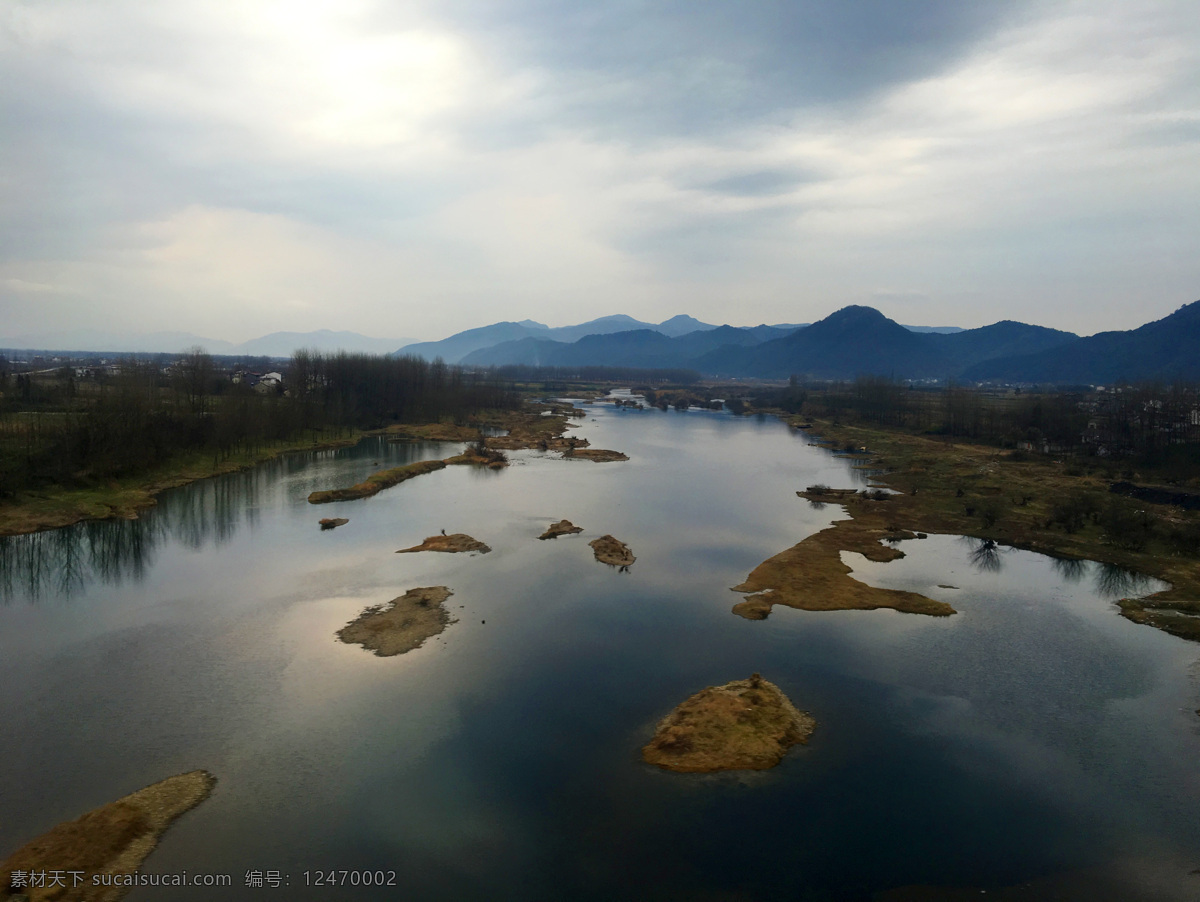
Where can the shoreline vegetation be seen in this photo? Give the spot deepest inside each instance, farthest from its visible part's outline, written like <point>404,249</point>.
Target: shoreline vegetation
<point>533,426</point>
<point>742,725</point>
<point>401,625</point>
<point>992,494</point>
<point>107,843</point>
<point>122,499</point>
<point>98,443</point>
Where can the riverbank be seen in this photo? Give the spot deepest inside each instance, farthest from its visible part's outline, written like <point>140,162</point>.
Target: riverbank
<point>58,506</point>
<point>1011,498</point>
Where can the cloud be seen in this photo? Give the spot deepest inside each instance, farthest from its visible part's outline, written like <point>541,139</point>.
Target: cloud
<point>421,168</point>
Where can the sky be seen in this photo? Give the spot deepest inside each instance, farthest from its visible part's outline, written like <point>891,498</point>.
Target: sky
<point>418,168</point>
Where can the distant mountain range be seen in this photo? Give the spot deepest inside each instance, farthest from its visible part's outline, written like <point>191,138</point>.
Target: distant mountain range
<point>850,342</point>
<point>460,347</point>
<point>1165,349</point>
<point>277,344</point>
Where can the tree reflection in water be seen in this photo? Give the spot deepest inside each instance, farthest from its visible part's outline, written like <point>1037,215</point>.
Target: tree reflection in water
<point>984,555</point>
<point>1117,582</point>
<point>63,562</point>
<point>1072,570</point>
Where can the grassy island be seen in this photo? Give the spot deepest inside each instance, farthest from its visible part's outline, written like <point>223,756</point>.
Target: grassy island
<point>402,624</point>
<point>596,455</point>
<point>452,544</point>
<point>106,844</point>
<point>611,550</point>
<point>377,482</point>
<point>743,725</point>
<point>812,577</point>
<point>561,528</point>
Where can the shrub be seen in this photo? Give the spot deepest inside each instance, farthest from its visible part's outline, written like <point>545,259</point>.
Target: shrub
<point>1184,540</point>
<point>1126,525</point>
<point>1073,511</point>
<point>990,511</point>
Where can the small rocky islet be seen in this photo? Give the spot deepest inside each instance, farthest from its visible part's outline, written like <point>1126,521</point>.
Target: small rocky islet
<point>451,544</point>
<point>611,550</point>
<point>561,528</point>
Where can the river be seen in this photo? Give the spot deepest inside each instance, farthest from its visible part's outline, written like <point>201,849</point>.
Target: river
<point>1036,735</point>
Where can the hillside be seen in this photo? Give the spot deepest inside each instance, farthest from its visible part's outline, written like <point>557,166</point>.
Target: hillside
<point>1164,349</point>
<point>852,341</point>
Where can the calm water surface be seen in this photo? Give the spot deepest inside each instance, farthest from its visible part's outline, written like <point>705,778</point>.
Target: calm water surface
<point>1034,735</point>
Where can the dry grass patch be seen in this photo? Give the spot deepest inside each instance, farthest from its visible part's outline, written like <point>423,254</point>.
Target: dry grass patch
<point>812,577</point>
<point>377,482</point>
<point>743,725</point>
<point>561,528</point>
<point>596,455</point>
<point>451,544</point>
<point>611,550</point>
<point>528,428</point>
<point>402,624</point>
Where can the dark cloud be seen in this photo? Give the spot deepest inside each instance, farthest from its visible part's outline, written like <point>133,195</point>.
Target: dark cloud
<point>649,70</point>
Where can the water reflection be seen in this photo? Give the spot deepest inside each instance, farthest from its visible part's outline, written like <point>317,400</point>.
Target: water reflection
<point>217,511</point>
<point>1072,570</point>
<point>63,562</point>
<point>984,555</point>
<point>1117,582</point>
